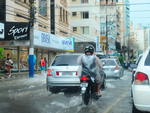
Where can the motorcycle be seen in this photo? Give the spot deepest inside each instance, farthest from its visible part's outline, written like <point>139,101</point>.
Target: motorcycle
<point>88,89</point>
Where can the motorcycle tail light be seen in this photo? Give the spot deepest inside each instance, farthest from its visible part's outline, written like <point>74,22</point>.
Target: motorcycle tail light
<point>84,78</point>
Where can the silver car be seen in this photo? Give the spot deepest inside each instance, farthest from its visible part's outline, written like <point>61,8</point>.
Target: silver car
<point>112,67</point>
<point>64,72</point>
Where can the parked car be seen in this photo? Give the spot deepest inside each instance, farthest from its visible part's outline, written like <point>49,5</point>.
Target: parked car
<point>112,67</point>
<point>140,86</point>
<point>64,73</point>
<point>133,67</point>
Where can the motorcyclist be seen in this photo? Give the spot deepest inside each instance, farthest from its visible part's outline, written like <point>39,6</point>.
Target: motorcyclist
<point>90,62</point>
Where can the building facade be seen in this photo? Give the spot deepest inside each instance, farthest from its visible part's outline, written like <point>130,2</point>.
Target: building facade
<point>84,19</point>
<point>50,40</point>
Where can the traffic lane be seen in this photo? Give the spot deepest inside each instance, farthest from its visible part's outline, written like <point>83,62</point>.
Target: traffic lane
<point>117,94</point>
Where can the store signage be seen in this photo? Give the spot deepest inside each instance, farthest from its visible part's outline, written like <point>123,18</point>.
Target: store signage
<point>16,31</point>
<point>1,31</point>
<point>48,40</point>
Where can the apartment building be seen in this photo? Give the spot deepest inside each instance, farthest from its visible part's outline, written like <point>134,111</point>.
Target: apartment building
<point>84,19</point>
<point>50,30</point>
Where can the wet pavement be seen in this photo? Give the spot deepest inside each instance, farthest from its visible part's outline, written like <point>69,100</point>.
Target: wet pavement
<point>29,95</point>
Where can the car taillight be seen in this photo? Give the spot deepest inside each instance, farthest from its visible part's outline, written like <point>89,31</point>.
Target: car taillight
<point>76,73</point>
<point>49,72</point>
<point>141,78</point>
<point>57,73</point>
<point>84,78</point>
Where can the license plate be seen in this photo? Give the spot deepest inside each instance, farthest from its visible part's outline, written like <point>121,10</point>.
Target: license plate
<point>67,73</point>
<point>84,84</point>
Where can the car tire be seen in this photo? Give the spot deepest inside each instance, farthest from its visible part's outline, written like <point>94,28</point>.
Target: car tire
<point>134,109</point>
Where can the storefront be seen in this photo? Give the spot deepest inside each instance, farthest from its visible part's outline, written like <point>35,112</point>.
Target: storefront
<point>45,45</point>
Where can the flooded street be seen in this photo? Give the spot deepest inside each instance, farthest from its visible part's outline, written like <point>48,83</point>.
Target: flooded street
<point>24,95</point>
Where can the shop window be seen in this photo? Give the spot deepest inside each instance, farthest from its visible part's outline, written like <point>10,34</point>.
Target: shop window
<point>23,59</point>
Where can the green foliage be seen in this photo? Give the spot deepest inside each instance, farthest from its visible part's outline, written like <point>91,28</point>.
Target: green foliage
<point>1,53</point>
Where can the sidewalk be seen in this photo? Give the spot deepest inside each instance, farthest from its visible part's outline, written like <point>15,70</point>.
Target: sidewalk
<point>16,75</point>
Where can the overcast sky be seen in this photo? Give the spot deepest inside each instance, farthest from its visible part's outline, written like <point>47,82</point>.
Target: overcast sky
<point>137,15</point>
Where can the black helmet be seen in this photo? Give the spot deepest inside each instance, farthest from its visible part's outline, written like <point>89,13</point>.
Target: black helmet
<point>89,48</point>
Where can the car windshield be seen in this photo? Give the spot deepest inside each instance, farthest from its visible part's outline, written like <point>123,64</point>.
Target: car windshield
<point>109,62</point>
<point>65,60</point>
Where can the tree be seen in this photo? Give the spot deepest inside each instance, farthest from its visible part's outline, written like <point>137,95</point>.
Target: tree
<point>1,53</point>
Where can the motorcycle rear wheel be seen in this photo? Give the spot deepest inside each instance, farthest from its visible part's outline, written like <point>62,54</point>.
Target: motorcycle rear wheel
<point>86,96</point>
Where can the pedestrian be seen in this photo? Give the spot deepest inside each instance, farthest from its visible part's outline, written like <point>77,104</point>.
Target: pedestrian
<point>8,65</point>
<point>42,65</point>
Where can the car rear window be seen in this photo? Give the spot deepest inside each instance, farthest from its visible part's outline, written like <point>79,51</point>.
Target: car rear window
<point>109,62</point>
<point>65,60</point>
<point>147,61</point>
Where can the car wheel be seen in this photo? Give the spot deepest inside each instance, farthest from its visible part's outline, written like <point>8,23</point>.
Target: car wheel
<point>134,110</point>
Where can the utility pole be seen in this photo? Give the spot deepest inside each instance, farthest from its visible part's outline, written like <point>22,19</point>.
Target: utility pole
<point>106,28</point>
<point>31,57</point>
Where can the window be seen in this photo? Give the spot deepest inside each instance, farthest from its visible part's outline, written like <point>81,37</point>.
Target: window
<point>66,17</point>
<point>85,15</point>
<point>147,60</point>
<point>64,14</point>
<point>85,30</point>
<point>74,29</point>
<point>65,60</point>
<point>60,13</point>
<point>84,1</point>
<point>43,7</point>
<point>25,1</point>
<point>74,13</point>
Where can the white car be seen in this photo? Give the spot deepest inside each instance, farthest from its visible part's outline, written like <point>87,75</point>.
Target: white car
<point>140,86</point>
<point>112,67</point>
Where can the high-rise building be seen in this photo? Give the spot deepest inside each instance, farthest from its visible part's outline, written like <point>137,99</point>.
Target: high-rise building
<point>108,21</point>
